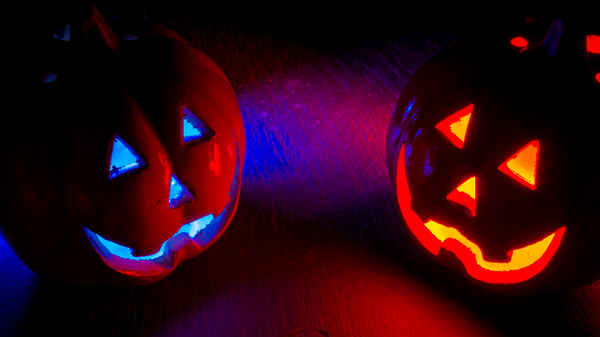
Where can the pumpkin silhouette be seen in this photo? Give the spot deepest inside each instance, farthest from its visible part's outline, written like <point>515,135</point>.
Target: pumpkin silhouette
<point>491,150</point>
<point>131,158</point>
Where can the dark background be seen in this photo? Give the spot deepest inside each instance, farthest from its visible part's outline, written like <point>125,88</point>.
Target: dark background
<point>317,246</point>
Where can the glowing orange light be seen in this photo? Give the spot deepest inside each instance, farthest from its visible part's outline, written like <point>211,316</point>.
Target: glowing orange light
<point>522,165</point>
<point>523,264</point>
<point>519,42</point>
<point>465,195</point>
<point>593,44</point>
<point>472,257</point>
<point>454,128</point>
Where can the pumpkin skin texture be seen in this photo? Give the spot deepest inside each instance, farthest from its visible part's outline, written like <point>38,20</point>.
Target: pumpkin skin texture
<point>510,221</point>
<point>68,214</point>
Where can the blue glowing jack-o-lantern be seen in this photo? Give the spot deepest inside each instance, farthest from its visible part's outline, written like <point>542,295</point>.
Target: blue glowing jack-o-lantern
<point>132,159</point>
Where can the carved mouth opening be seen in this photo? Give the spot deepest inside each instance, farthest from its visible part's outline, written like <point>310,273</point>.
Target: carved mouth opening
<point>191,236</point>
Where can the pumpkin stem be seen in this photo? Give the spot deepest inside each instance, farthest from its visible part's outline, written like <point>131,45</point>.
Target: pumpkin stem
<point>566,44</point>
<point>552,39</point>
<point>95,28</point>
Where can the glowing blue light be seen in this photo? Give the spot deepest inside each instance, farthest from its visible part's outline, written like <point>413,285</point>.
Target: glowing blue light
<point>123,158</point>
<point>191,229</point>
<point>179,193</point>
<point>409,108</point>
<point>194,128</point>
<point>126,252</point>
<point>195,235</point>
<point>63,34</point>
<point>194,227</point>
<point>49,77</point>
<point>427,164</point>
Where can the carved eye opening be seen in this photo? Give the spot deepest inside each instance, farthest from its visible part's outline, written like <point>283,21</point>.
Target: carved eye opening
<point>123,158</point>
<point>194,129</point>
<point>454,128</point>
<point>522,165</point>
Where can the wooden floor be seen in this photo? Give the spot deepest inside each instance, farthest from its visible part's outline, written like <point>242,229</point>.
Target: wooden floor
<point>317,246</point>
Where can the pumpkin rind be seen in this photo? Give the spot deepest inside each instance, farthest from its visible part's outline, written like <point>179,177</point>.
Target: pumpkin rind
<point>541,94</point>
<point>57,180</point>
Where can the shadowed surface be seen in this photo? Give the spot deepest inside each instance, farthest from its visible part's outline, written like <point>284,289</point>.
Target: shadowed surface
<point>317,246</point>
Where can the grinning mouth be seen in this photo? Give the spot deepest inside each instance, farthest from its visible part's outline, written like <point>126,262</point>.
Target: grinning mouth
<point>193,236</point>
<point>523,264</point>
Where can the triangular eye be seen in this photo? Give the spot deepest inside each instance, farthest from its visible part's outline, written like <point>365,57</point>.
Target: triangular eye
<point>454,128</point>
<point>465,195</point>
<point>523,164</point>
<point>123,158</point>
<point>194,128</point>
<point>63,34</point>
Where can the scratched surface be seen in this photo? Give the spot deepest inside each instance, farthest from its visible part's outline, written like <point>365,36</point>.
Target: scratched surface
<point>316,247</point>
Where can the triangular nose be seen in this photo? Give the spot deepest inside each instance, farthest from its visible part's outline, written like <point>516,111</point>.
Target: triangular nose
<point>465,195</point>
<point>179,193</point>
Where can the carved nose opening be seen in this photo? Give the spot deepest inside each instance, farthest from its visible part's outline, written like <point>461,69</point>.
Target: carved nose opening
<point>465,195</point>
<point>179,193</point>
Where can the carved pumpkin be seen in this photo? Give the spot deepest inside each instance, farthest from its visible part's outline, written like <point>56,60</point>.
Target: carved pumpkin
<point>131,159</point>
<point>492,152</point>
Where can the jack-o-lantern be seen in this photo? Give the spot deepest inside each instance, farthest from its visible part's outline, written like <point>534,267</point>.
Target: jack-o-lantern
<point>129,155</point>
<point>492,151</point>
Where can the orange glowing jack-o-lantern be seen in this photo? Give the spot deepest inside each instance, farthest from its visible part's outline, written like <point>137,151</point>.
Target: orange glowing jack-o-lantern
<point>494,164</point>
